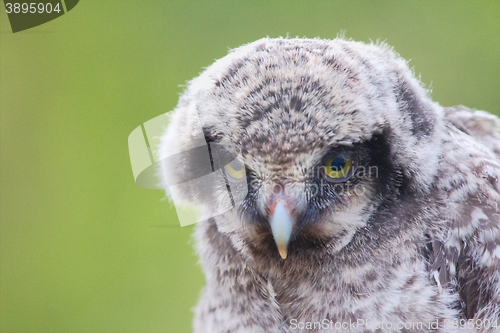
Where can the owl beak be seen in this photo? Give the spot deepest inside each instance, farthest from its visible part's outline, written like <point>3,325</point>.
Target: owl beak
<point>281,227</point>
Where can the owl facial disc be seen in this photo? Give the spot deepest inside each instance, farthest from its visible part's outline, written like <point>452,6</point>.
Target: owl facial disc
<point>281,226</point>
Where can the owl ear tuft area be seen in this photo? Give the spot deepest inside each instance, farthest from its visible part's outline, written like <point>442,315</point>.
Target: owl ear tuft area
<point>416,105</point>
<point>418,130</point>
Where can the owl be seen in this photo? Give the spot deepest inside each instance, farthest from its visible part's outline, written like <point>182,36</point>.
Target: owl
<point>335,195</point>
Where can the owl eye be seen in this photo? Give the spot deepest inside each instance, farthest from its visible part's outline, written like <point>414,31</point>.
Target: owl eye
<point>339,167</point>
<point>235,170</point>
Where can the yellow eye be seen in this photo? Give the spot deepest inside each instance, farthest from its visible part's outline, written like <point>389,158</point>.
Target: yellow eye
<point>339,167</point>
<point>235,170</point>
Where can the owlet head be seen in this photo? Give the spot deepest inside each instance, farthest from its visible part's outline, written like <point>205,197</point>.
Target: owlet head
<point>312,136</point>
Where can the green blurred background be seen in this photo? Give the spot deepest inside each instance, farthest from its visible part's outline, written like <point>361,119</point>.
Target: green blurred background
<point>83,249</point>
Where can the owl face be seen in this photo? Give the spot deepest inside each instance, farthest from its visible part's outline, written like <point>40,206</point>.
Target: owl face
<point>313,130</point>
<point>307,194</point>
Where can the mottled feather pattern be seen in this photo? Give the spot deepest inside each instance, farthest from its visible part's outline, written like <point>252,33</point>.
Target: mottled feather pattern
<point>419,244</point>
<point>472,238</point>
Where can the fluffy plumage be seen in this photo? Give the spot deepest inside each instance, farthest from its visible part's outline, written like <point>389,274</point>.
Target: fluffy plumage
<point>412,238</point>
